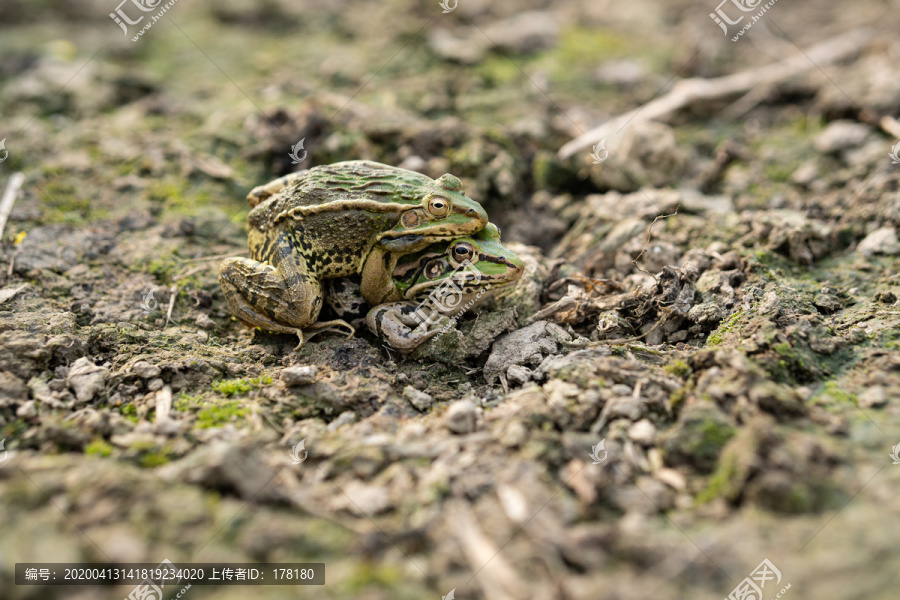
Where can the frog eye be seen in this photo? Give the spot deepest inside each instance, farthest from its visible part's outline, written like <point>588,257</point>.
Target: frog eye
<point>438,207</point>
<point>463,252</point>
<point>410,219</point>
<point>434,269</point>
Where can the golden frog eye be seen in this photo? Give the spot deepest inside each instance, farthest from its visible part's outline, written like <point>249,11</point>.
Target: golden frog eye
<point>463,252</point>
<point>434,269</point>
<point>438,207</point>
<point>410,219</point>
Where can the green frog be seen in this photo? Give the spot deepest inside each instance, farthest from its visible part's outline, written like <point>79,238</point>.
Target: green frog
<point>445,280</point>
<point>326,222</point>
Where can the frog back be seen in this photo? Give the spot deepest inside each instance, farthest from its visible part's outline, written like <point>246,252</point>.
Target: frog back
<point>365,186</point>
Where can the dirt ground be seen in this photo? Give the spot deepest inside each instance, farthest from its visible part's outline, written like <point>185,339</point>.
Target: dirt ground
<point>698,372</point>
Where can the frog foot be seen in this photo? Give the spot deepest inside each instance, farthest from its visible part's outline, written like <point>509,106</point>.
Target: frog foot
<point>335,326</point>
<point>405,325</point>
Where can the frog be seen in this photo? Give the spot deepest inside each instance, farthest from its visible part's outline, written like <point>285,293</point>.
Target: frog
<point>433,287</point>
<point>325,222</point>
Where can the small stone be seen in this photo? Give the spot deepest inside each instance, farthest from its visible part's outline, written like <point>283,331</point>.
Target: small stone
<point>204,322</point>
<point>27,410</point>
<point>145,370</point>
<point>462,417</point>
<point>671,478</point>
<point>154,385</point>
<point>518,375</point>
<point>419,399</point>
<point>885,297</point>
<point>345,418</point>
<point>620,389</point>
<point>827,302</point>
<point>873,397</point>
<point>514,434</point>
<point>841,135</point>
<point>642,432</point>
<point>806,173</point>
<point>86,379</point>
<point>303,375</point>
<point>880,241</point>
<point>768,303</point>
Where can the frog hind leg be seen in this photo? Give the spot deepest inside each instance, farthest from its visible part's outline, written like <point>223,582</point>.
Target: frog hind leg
<point>282,298</point>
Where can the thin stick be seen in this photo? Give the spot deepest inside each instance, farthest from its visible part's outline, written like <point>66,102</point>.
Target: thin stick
<point>890,125</point>
<point>174,292</point>
<point>689,91</point>
<point>9,198</point>
<point>647,243</point>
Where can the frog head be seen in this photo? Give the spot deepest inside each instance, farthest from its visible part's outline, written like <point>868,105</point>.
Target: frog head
<point>453,275</point>
<point>439,210</point>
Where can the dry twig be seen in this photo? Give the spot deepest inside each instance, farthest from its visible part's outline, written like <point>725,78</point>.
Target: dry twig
<point>687,92</point>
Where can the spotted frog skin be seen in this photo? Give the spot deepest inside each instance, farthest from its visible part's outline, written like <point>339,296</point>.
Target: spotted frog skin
<point>446,279</point>
<point>326,222</point>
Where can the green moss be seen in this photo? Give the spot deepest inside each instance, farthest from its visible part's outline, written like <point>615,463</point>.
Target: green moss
<point>154,459</point>
<point>234,387</point>
<point>725,482</point>
<point>98,447</point>
<point>678,368</point>
<point>217,415</point>
<point>497,70</point>
<point>367,575</point>
<point>677,398</point>
<point>163,269</point>
<point>717,337</point>
<point>129,412</point>
<point>832,395</point>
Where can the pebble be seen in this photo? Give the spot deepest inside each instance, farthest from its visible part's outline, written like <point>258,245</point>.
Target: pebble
<point>642,432</point>
<point>462,417</point>
<point>419,399</point>
<point>518,374</point>
<point>841,135</point>
<point>345,418</point>
<point>27,410</point>
<point>880,241</point>
<point>872,397</point>
<point>86,379</point>
<point>303,375</point>
<point>145,370</point>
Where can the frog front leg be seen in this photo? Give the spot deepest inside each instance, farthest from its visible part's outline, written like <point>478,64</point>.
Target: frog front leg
<point>283,297</point>
<point>406,325</point>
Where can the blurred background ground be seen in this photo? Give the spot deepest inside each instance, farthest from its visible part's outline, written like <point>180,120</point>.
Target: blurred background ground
<point>752,419</point>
